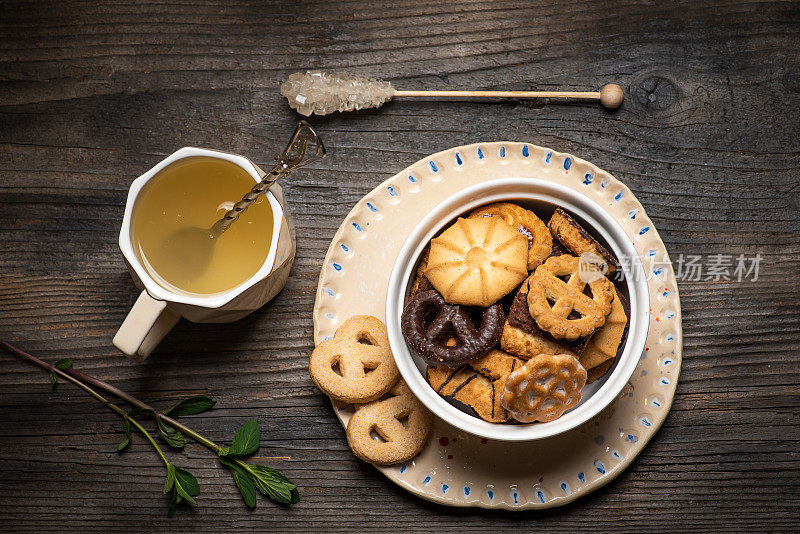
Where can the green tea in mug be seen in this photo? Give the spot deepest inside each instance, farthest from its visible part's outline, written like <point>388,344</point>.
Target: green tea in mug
<point>171,223</point>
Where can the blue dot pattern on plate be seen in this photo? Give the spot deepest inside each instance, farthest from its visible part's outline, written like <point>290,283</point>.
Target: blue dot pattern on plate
<point>600,467</point>
<point>539,495</point>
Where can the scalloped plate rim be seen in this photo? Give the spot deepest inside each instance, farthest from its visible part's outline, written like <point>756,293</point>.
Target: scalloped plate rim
<point>658,419</point>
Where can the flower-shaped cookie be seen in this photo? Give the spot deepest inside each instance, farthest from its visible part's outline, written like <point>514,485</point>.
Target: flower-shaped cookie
<point>475,262</point>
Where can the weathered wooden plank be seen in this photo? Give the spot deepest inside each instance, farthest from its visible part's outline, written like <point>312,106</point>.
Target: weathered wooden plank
<point>96,93</point>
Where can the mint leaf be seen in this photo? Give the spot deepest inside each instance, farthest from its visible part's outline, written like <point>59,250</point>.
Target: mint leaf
<point>274,485</point>
<point>53,378</point>
<point>191,406</point>
<point>246,440</point>
<point>174,501</point>
<point>171,436</point>
<point>186,485</point>
<point>243,482</point>
<point>63,364</point>
<point>170,479</point>
<point>127,439</point>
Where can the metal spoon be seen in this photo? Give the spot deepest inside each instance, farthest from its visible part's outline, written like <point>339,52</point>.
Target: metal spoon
<point>304,147</point>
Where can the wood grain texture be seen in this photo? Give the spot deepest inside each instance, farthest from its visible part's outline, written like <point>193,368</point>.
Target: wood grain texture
<point>94,93</point>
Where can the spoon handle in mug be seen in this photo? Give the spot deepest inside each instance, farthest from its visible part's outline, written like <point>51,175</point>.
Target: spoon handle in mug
<point>303,148</point>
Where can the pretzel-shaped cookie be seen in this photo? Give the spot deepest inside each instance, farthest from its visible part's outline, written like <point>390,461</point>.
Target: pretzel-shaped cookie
<point>544,388</point>
<point>540,240</point>
<point>430,337</point>
<point>568,298</point>
<point>398,442</point>
<point>360,348</point>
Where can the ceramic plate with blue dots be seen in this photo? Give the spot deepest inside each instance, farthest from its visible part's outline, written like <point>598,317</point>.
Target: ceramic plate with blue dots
<point>456,468</point>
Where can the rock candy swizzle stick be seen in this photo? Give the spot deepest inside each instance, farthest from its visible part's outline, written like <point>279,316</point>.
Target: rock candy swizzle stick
<point>322,93</point>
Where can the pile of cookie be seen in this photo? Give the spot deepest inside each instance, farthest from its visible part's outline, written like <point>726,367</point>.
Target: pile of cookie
<point>356,367</point>
<point>514,316</point>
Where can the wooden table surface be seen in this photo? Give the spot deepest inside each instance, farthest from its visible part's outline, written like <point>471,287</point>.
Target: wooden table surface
<point>92,94</point>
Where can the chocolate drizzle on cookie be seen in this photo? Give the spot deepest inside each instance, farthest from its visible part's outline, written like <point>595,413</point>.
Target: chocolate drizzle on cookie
<point>428,323</point>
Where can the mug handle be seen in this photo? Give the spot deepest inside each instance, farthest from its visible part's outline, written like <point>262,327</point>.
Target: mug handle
<point>145,326</point>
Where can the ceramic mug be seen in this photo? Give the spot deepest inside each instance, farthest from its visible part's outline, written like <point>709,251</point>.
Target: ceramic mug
<point>536,194</point>
<point>158,309</point>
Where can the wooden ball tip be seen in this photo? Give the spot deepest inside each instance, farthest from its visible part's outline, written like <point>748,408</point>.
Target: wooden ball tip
<point>611,96</point>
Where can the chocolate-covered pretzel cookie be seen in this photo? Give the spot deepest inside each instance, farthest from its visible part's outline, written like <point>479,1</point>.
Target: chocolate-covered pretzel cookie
<point>428,322</point>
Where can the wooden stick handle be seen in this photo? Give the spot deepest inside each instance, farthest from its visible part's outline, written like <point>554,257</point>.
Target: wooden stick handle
<point>611,95</point>
<point>501,94</point>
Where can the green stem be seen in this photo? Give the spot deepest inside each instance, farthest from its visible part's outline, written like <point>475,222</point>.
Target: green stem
<point>81,379</point>
<point>68,376</point>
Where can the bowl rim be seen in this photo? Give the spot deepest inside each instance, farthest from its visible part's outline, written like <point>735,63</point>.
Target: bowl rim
<point>521,189</point>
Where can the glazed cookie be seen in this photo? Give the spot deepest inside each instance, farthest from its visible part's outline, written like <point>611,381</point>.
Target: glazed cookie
<point>360,351</point>
<point>522,337</point>
<point>475,262</point>
<point>443,333</point>
<point>477,385</point>
<point>577,240</point>
<point>603,345</point>
<point>544,388</point>
<point>561,307</point>
<point>398,442</point>
<point>540,241</point>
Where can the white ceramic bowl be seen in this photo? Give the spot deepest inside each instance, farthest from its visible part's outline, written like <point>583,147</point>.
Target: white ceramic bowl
<point>542,196</point>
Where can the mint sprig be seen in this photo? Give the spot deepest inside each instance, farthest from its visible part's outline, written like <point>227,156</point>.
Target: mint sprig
<point>251,477</point>
<point>181,485</point>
